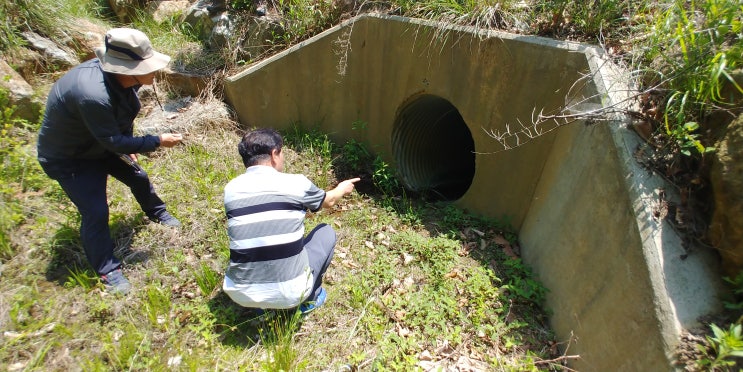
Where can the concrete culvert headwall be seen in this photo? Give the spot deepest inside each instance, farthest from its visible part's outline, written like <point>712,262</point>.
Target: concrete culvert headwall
<point>467,115</point>
<point>433,148</point>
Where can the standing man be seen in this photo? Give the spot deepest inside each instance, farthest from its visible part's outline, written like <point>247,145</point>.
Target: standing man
<point>87,134</point>
<point>272,264</point>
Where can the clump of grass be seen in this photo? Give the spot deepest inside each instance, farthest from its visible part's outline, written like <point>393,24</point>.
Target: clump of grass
<point>693,49</point>
<point>83,278</point>
<point>207,278</point>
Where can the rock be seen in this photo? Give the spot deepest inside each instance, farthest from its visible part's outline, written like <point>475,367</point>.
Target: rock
<point>184,84</point>
<point>163,10</point>
<point>125,10</point>
<point>221,32</point>
<point>86,36</point>
<point>26,62</point>
<point>726,177</point>
<point>200,20</point>
<point>28,106</point>
<point>52,53</point>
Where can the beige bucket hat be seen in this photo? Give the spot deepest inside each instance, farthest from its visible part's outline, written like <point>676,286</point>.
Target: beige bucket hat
<point>129,52</point>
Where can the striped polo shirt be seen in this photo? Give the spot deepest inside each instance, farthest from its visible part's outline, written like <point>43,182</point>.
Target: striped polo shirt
<point>265,222</point>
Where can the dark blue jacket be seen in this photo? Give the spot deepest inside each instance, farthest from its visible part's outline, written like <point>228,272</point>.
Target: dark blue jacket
<point>90,116</point>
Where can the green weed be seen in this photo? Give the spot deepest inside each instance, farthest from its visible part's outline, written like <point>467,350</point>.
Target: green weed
<point>83,278</point>
<point>20,173</point>
<point>724,346</point>
<point>695,45</point>
<point>157,306</point>
<point>47,18</point>
<point>736,286</point>
<point>207,279</point>
<point>315,147</point>
<point>277,337</point>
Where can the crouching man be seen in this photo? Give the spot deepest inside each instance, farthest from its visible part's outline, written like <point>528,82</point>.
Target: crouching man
<point>273,265</point>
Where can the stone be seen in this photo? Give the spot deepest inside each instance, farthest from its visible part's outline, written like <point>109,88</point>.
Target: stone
<point>163,10</point>
<point>726,177</point>
<point>28,105</point>
<point>53,54</point>
<point>87,36</point>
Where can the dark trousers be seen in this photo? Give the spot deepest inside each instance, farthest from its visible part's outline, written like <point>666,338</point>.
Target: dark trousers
<point>84,182</point>
<point>320,246</point>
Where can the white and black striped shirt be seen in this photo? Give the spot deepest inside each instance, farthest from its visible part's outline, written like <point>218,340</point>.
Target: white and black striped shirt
<point>265,222</point>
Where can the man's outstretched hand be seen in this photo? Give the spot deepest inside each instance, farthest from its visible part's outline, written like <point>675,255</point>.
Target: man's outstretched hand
<point>170,139</point>
<point>344,188</point>
<point>347,186</point>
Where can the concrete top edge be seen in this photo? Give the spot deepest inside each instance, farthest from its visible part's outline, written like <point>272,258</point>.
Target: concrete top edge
<point>483,33</point>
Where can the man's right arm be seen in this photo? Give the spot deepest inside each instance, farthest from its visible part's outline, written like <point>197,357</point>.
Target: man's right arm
<point>344,188</point>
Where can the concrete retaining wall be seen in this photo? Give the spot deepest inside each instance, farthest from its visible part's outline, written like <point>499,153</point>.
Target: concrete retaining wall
<point>617,284</point>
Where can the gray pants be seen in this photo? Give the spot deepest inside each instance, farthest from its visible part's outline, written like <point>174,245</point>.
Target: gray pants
<point>320,246</point>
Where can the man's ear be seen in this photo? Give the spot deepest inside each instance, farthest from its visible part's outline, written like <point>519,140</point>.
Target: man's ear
<point>275,153</point>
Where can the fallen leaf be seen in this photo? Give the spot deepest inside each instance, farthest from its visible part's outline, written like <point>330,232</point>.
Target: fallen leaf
<point>349,263</point>
<point>425,355</point>
<point>500,240</point>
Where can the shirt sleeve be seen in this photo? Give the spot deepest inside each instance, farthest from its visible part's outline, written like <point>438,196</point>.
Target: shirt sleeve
<point>313,197</point>
<point>99,117</point>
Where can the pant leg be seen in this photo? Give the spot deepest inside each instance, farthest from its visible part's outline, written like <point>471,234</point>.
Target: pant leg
<point>320,246</point>
<point>84,182</point>
<point>140,185</point>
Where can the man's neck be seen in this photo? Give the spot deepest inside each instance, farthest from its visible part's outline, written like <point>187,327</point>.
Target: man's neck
<point>126,81</point>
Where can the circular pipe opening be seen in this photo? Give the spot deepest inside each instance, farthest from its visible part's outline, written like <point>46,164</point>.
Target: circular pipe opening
<point>433,148</point>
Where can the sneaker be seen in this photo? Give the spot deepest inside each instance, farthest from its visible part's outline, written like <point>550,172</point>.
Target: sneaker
<point>166,219</point>
<point>116,283</point>
<point>309,306</point>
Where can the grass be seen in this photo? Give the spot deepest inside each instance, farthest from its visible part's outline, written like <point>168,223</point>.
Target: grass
<point>406,286</point>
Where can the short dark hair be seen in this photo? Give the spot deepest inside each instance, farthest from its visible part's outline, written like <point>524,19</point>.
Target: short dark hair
<point>256,145</point>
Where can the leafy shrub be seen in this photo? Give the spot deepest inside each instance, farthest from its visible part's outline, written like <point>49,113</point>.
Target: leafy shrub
<point>694,47</point>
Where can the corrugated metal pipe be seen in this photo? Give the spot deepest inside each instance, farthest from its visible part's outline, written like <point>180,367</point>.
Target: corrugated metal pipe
<point>433,148</point>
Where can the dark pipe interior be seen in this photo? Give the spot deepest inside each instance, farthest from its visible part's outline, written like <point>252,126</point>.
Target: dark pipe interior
<point>433,148</point>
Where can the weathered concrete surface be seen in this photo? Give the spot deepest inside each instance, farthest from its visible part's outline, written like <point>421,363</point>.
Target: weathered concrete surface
<point>582,207</point>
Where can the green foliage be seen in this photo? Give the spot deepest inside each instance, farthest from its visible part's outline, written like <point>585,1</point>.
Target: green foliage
<point>590,17</point>
<point>355,157</point>
<point>736,285</point>
<point>207,279</point>
<point>315,147</point>
<point>701,42</point>
<point>302,19</point>
<point>19,171</point>
<point>277,338</point>
<point>384,178</point>
<point>125,347</point>
<point>521,282</point>
<point>681,130</point>
<point>311,141</point>
<point>694,47</point>
<point>81,278</point>
<point>724,347</point>
<point>19,15</point>
<point>157,306</point>
<point>242,4</point>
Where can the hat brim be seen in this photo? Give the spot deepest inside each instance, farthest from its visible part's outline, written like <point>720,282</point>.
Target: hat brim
<point>130,67</point>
